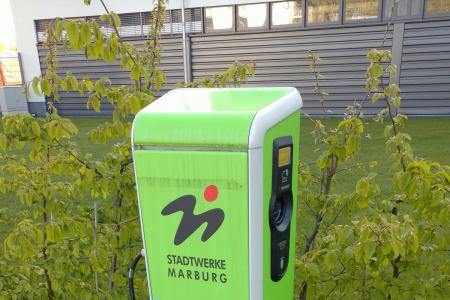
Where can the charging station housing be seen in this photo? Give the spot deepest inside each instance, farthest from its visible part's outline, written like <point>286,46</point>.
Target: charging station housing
<point>216,174</point>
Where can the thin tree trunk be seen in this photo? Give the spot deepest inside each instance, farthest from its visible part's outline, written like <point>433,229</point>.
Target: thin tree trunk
<point>325,186</point>
<point>95,243</point>
<point>50,293</point>
<point>116,222</point>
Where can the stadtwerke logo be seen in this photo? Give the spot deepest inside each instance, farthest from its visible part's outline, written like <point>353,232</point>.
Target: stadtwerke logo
<point>189,222</point>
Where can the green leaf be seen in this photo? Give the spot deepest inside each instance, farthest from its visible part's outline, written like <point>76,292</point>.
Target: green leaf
<point>85,32</point>
<point>10,241</point>
<point>35,128</point>
<point>98,47</point>
<point>49,233</point>
<point>135,106</point>
<point>73,34</point>
<point>386,247</point>
<point>369,250</point>
<point>443,215</point>
<point>396,101</point>
<point>3,141</point>
<point>59,26</point>
<point>115,19</point>
<point>96,103</point>
<point>362,187</point>
<point>26,248</point>
<point>313,269</point>
<point>35,84</point>
<point>331,259</point>
<point>125,61</point>
<point>45,86</point>
<point>358,252</point>
<point>358,125</point>
<point>376,97</point>
<point>403,181</point>
<point>135,72</point>
<point>37,145</point>
<point>88,84</point>
<point>73,82</point>
<point>115,115</point>
<point>57,233</point>
<point>352,145</point>
<point>76,249</point>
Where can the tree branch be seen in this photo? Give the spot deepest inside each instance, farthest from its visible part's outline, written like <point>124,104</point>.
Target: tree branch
<point>138,82</point>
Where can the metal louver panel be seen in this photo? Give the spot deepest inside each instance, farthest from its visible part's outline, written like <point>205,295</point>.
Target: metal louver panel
<point>192,19</point>
<point>131,25</point>
<point>135,25</point>
<point>146,18</point>
<point>177,27</point>
<point>41,26</point>
<point>425,69</point>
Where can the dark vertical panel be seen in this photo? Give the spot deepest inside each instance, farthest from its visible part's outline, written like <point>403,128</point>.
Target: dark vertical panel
<point>189,58</point>
<point>397,48</point>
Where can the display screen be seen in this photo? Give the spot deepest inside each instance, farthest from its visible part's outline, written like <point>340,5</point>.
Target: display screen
<point>284,156</point>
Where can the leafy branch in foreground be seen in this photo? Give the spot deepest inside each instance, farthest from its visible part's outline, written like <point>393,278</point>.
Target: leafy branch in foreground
<point>61,247</point>
<point>373,243</point>
<point>53,247</point>
<point>234,76</point>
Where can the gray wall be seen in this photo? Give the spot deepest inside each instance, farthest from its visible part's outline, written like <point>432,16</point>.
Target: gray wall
<point>281,60</point>
<point>422,49</point>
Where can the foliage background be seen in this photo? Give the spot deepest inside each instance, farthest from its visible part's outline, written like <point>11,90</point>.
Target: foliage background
<point>369,241</point>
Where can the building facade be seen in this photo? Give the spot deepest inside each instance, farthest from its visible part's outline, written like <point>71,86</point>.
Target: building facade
<point>275,35</point>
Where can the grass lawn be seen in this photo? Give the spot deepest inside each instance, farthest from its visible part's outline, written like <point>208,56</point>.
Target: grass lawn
<point>431,140</point>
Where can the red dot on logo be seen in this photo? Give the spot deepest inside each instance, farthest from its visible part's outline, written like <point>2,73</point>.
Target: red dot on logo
<point>211,192</point>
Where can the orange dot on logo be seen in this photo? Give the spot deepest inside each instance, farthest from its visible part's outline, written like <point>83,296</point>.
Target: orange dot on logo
<point>211,192</point>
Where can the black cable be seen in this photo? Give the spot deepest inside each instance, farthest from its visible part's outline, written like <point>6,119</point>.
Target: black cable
<point>131,275</point>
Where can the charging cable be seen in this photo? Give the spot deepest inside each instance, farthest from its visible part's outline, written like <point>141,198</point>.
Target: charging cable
<point>131,273</point>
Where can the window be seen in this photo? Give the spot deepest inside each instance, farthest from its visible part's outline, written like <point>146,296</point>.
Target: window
<point>361,9</point>
<point>323,11</point>
<point>437,7</point>
<point>252,16</point>
<point>403,9</point>
<point>286,13</point>
<point>219,18</point>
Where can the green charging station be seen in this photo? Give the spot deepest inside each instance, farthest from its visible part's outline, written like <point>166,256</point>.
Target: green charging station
<point>216,173</point>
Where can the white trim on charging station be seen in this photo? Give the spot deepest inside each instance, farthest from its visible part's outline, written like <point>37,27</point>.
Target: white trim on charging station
<point>140,211</point>
<point>262,122</point>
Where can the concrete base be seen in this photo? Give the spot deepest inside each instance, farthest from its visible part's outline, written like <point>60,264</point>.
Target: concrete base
<point>13,100</point>
<point>37,108</point>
